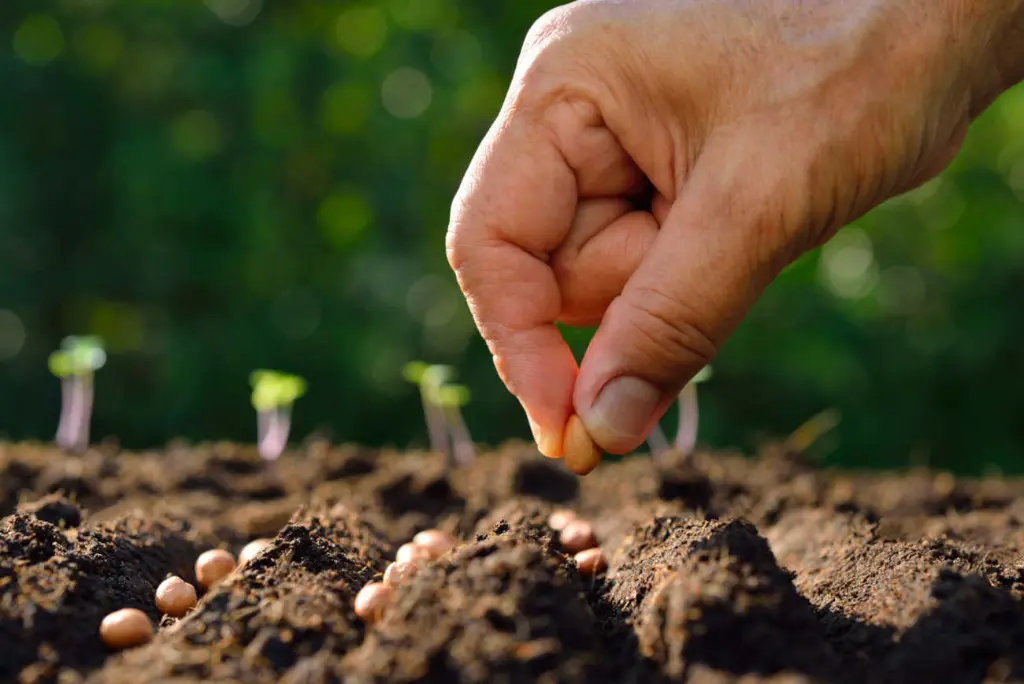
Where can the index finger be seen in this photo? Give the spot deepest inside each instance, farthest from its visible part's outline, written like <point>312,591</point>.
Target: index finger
<point>514,207</point>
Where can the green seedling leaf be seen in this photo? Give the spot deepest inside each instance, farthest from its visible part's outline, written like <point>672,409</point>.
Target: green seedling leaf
<point>60,364</point>
<point>453,396</point>
<point>78,355</point>
<point>414,371</point>
<point>273,389</point>
<point>703,376</point>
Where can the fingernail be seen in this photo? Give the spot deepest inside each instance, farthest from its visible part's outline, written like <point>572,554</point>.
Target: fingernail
<point>623,409</point>
<point>544,443</point>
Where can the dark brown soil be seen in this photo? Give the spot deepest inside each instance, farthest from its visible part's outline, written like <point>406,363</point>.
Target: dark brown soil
<point>722,569</point>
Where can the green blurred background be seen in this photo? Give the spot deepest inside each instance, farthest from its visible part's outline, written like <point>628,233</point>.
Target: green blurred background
<point>223,185</point>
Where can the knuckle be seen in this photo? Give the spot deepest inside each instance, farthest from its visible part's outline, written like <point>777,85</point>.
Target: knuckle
<point>668,331</point>
<point>551,27</point>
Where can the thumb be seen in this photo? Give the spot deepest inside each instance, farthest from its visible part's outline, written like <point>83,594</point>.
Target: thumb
<point>719,246</point>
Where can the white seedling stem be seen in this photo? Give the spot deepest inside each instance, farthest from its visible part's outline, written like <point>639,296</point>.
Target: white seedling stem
<point>463,452</point>
<point>657,441</point>
<point>75,412</point>
<point>273,427</point>
<point>686,437</point>
<point>435,418</point>
<point>66,398</point>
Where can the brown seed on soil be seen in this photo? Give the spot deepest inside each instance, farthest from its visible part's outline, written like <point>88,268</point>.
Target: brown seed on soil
<point>577,536</point>
<point>250,550</point>
<point>175,597</point>
<point>397,573</point>
<point>436,542</point>
<point>372,600</point>
<point>580,452</point>
<point>212,566</point>
<point>126,628</point>
<point>560,518</point>
<point>412,553</point>
<point>591,562</point>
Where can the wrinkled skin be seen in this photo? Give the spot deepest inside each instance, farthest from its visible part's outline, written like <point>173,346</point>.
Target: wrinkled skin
<point>656,163</point>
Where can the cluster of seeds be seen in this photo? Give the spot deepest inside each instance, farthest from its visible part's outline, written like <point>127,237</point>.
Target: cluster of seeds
<point>577,537</point>
<point>130,627</point>
<point>373,599</point>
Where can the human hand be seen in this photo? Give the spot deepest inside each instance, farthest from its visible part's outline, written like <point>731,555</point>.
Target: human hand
<point>656,164</point>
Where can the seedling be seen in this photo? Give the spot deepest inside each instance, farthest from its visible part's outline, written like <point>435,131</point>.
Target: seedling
<point>686,435</point>
<point>451,399</point>
<point>75,363</point>
<point>811,431</point>
<point>273,394</point>
<point>430,378</point>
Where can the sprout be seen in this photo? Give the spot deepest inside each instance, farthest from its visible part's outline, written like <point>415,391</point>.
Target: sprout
<point>442,404</point>
<point>75,363</point>
<point>273,394</point>
<point>451,399</point>
<point>430,378</point>
<point>812,430</point>
<point>686,435</point>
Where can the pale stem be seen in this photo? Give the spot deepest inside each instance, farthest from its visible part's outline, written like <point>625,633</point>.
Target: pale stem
<point>686,437</point>
<point>463,452</point>
<point>84,421</point>
<point>67,394</point>
<point>275,435</point>
<point>658,442</point>
<point>436,430</point>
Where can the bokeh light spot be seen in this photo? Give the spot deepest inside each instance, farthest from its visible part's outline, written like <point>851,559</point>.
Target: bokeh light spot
<point>12,334</point>
<point>39,40</point>
<point>406,93</point>
<point>344,218</point>
<point>361,30</point>
<point>196,135</point>
<point>235,12</point>
<point>847,267</point>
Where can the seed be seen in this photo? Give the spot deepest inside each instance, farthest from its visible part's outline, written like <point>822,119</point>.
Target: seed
<point>372,600</point>
<point>250,550</point>
<point>590,562</point>
<point>580,452</point>
<point>577,536</point>
<point>411,553</point>
<point>436,542</point>
<point>397,573</point>
<point>175,597</point>
<point>212,566</point>
<point>560,518</point>
<point>126,628</point>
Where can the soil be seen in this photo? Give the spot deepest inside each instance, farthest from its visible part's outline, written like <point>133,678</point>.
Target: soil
<point>721,569</point>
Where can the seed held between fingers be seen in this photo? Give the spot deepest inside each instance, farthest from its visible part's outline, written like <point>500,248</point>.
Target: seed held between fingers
<point>580,452</point>
<point>577,536</point>
<point>212,566</point>
<point>397,573</point>
<point>126,628</point>
<point>591,562</point>
<point>436,542</point>
<point>251,550</point>
<point>175,597</point>
<point>372,600</point>
<point>412,553</point>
